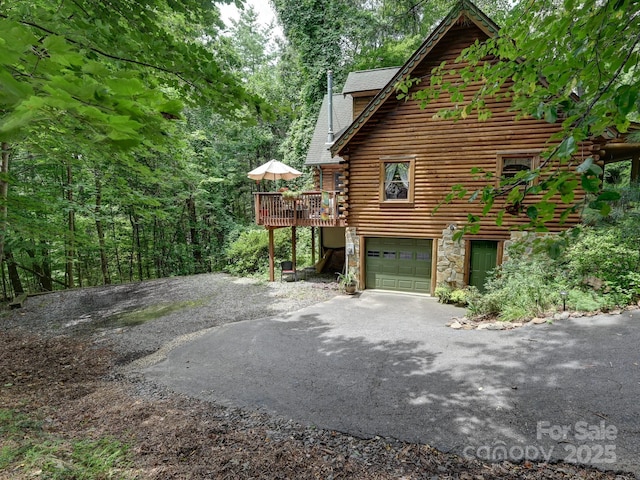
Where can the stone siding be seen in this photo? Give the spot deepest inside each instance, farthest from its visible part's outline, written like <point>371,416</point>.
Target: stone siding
<point>526,238</point>
<point>451,258</point>
<point>351,236</point>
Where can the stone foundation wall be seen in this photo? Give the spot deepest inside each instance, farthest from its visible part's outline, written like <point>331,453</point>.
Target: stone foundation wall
<point>527,238</point>
<point>351,236</point>
<point>450,261</point>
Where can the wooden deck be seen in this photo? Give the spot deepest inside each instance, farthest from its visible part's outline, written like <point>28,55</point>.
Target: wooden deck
<point>308,210</point>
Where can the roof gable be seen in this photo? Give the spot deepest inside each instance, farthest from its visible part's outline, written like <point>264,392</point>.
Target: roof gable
<point>463,10</point>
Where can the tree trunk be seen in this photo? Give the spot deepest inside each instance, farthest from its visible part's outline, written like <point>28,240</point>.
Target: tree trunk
<point>104,262</point>
<point>158,248</point>
<point>4,190</point>
<point>14,276</point>
<point>41,268</point>
<point>46,281</point>
<point>71,225</point>
<point>135,246</point>
<point>116,249</point>
<point>193,229</point>
<point>5,295</point>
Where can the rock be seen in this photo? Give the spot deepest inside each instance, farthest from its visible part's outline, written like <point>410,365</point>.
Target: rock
<point>483,326</point>
<point>456,325</point>
<point>615,312</point>
<point>496,326</point>
<point>538,320</point>
<point>517,324</point>
<point>468,326</point>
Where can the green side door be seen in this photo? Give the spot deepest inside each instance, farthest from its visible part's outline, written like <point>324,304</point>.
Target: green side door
<point>399,264</point>
<point>483,259</point>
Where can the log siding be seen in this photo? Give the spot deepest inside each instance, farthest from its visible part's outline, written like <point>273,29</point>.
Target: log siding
<point>445,151</point>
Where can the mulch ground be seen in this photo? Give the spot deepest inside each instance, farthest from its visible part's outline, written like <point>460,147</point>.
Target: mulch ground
<point>76,392</point>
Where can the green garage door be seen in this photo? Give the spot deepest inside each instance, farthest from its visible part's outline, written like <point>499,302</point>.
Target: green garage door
<point>401,264</point>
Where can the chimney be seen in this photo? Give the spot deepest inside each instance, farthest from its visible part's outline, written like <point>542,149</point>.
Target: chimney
<point>330,106</point>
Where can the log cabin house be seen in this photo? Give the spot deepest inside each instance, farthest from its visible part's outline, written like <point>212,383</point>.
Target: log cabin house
<point>391,162</point>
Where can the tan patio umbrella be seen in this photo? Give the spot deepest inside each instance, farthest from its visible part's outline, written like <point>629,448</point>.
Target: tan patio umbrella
<point>273,170</point>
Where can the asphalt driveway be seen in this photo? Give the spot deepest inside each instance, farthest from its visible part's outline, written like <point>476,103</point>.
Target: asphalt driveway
<point>386,364</point>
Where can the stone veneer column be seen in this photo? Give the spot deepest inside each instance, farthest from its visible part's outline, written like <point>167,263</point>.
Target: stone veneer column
<point>351,236</point>
<point>451,258</point>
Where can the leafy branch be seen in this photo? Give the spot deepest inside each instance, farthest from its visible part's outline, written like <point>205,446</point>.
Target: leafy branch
<point>102,53</point>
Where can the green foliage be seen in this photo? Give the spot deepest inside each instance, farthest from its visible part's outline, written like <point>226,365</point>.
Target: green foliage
<point>117,70</point>
<point>248,250</point>
<point>598,267</point>
<point>28,450</point>
<point>584,300</point>
<point>522,287</point>
<point>248,254</point>
<point>459,297</point>
<point>462,297</point>
<point>347,279</point>
<point>443,292</point>
<point>86,207</point>
<point>609,260</point>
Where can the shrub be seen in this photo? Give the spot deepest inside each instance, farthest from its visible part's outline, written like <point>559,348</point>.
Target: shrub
<point>443,292</point>
<point>584,301</point>
<point>609,260</point>
<point>459,296</point>
<point>598,266</point>
<point>520,288</point>
<point>249,252</point>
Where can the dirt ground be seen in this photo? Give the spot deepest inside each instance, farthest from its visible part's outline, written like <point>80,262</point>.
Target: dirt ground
<point>63,360</point>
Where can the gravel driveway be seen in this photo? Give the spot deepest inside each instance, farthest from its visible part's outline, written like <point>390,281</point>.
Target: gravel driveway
<point>138,319</point>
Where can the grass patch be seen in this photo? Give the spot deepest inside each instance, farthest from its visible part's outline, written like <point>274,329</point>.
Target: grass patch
<point>144,315</point>
<point>27,451</point>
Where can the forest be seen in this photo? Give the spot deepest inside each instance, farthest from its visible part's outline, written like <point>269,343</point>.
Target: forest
<point>127,129</point>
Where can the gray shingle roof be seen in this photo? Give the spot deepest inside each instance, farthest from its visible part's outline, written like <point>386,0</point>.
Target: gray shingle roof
<point>365,80</point>
<point>318,153</point>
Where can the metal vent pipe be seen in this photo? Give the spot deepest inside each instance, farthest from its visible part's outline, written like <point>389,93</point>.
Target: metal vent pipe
<point>330,105</point>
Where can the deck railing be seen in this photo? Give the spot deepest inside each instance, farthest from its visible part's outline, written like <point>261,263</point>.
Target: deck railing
<point>309,209</point>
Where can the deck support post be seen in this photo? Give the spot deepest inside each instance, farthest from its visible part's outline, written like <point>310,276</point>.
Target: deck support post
<point>313,246</point>
<point>271,257</point>
<point>293,246</point>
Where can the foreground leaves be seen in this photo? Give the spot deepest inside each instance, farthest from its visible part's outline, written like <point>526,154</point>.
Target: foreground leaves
<point>120,68</point>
